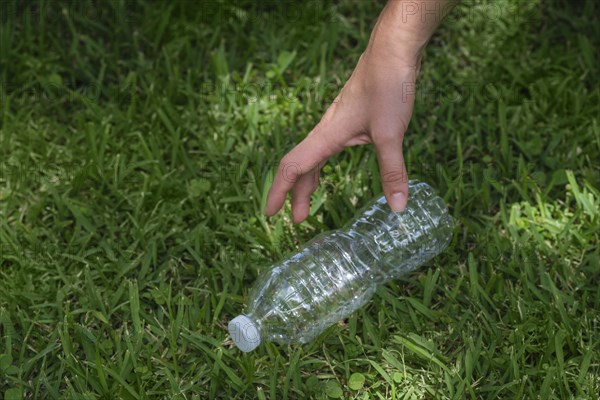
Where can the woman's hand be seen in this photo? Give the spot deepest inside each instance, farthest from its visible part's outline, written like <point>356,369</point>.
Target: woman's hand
<point>375,106</point>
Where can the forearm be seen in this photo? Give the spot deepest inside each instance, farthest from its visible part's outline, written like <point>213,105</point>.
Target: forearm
<point>404,28</point>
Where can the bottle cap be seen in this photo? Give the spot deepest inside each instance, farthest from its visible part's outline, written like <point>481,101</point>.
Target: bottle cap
<point>244,333</point>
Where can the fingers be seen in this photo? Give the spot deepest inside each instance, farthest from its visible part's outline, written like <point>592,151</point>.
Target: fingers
<point>392,169</point>
<point>301,195</point>
<point>306,158</point>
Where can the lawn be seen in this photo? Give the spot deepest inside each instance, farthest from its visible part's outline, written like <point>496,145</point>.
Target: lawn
<point>138,141</point>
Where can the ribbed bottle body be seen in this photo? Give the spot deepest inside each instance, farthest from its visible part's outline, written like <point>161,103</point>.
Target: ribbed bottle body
<point>300,297</point>
<point>337,272</point>
<point>401,242</point>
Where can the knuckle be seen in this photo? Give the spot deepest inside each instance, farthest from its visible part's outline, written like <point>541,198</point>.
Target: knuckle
<point>396,175</point>
<point>391,134</point>
<point>388,138</point>
<point>290,170</point>
<point>283,162</point>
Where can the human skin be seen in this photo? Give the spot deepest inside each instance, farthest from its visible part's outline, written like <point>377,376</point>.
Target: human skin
<point>374,107</point>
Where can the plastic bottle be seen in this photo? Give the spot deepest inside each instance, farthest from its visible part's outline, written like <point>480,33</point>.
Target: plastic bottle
<point>337,272</point>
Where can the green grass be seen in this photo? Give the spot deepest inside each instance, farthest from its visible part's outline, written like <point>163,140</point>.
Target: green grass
<point>137,143</point>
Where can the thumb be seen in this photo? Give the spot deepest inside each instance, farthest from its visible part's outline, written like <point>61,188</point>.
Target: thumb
<point>392,169</point>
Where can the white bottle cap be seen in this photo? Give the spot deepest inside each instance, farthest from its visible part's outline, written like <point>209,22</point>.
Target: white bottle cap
<point>244,333</point>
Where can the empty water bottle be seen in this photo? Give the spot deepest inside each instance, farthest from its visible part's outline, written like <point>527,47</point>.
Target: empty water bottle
<point>337,272</point>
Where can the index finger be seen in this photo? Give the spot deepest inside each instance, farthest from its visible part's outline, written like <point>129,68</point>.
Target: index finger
<point>307,157</point>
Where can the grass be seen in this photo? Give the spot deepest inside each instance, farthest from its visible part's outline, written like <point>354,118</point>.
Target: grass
<point>137,143</point>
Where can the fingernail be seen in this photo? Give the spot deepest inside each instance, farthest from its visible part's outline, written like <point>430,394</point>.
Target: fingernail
<point>397,201</point>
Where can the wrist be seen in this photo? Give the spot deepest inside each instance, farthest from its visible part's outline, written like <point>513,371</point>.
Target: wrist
<point>403,30</point>
<point>395,51</point>
<point>396,43</point>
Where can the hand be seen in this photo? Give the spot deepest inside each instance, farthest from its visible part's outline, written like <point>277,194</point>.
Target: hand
<point>375,106</point>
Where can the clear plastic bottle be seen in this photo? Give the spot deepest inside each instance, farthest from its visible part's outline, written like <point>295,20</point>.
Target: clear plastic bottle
<point>338,271</point>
